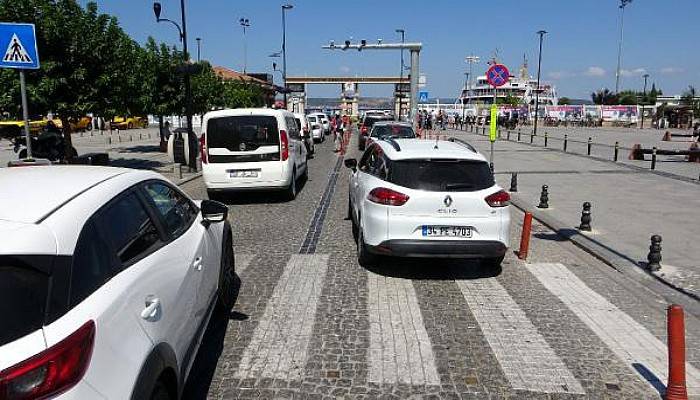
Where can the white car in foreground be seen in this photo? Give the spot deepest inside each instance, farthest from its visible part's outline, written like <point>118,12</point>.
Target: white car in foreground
<point>108,278</point>
<point>422,198</point>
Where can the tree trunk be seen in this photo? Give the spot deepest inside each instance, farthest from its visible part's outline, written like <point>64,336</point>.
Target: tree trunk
<point>67,139</point>
<point>163,143</point>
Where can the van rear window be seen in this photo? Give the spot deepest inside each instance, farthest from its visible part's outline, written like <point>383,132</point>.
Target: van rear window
<point>441,175</point>
<point>243,132</point>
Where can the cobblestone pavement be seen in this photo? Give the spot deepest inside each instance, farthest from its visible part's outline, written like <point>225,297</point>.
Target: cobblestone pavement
<point>313,324</point>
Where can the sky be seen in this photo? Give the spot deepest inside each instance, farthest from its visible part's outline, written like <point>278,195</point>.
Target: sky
<point>579,52</point>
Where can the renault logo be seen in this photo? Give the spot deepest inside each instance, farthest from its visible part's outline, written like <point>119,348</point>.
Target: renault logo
<point>448,201</point>
<point>242,147</point>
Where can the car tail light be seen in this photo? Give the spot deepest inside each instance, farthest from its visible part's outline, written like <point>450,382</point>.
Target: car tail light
<point>203,148</point>
<point>284,151</point>
<point>498,199</point>
<point>363,130</point>
<point>387,197</point>
<point>53,371</point>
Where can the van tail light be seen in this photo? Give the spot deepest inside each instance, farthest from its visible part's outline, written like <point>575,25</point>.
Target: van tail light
<point>53,371</point>
<point>387,197</point>
<point>203,148</point>
<point>498,199</point>
<point>363,130</point>
<point>306,129</point>
<point>284,151</point>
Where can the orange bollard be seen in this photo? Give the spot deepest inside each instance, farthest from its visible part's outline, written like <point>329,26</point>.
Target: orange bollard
<point>676,389</point>
<point>525,238</point>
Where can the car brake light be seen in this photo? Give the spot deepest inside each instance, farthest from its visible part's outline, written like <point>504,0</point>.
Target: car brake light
<point>363,130</point>
<point>387,197</point>
<point>53,371</point>
<point>498,199</point>
<point>284,151</point>
<point>203,148</point>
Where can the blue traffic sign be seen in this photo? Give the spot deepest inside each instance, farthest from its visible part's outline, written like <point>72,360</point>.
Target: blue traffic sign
<point>422,97</point>
<point>18,46</point>
<point>497,75</point>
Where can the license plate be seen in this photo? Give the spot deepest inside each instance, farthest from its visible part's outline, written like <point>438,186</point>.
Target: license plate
<point>447,231</point>
<point>244,173</point>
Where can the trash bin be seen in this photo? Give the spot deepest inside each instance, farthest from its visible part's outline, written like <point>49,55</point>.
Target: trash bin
<point>176,147</point>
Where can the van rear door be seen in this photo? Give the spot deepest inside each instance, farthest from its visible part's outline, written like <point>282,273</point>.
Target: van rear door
<point>243,138</point>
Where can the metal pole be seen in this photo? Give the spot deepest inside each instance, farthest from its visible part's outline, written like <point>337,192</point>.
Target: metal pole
<point>537,90</point>
<point>245,51</point>
<point>284,50</point>
<point>415,55</point>
<point>188,93</point>
<point>199,46</point>
<point>623,4</point>
<point>466,83</point>
<point>25,113</point>
<point>403,39</point>
<point>644,100</point>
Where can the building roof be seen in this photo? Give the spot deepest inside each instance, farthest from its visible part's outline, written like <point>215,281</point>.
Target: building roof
<point>226,73</point>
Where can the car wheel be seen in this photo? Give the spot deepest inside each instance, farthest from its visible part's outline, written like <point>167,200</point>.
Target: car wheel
<point>22,153</point>
<point>492,262</point>
<point>364,257</point>
<point>227,274</point>
<point>160,392</point>
<point>291,191</point>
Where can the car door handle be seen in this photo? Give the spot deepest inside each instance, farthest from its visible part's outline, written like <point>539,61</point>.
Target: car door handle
<point>197,263</point>
<point>152,307</point>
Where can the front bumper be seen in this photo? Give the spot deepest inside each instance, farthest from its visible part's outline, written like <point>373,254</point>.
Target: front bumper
<point>440,248</point>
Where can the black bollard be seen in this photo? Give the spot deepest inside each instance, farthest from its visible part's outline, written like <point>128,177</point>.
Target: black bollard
<point>654,256</point>
<point>653,158</point>
<point>617,151</point>
<point>518,134</point>
<point>508,135</point>
<point>514,182</point>
<point>566,141</point>
<point>532,137</point>
<point>546,135</point>
<point>588,151</point>
<point>544,197</point>
<point>586,217</point>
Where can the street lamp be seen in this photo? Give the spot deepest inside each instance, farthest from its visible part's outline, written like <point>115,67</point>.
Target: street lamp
<point>644,98</point>
<point>402,32</point>
<point>472,59</point>
<point>623,4</point>
<point>537,90</point>
<point>284,48</point>
<point>199,48</point>
<point>188,90</point>
<point>245,23</point>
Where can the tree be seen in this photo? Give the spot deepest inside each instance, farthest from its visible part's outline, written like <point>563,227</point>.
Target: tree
<point>628,97</point>
<point>604,96</point>
<point>563,101</point>
<point>689,99</point>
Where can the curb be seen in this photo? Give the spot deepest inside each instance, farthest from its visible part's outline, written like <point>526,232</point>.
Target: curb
<point>188,179</point>
<point>617,261</point>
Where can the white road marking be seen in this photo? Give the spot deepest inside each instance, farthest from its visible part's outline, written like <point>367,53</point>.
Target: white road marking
<point>627,338</point>
<point>278,348</point>
<point>243,261</point>
<point>400,349</point>
<point>525,357</point>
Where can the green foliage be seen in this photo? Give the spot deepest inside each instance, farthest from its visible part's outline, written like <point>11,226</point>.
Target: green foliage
<point>604,97</point>
<point>563,101</point>
<point>688,99</point>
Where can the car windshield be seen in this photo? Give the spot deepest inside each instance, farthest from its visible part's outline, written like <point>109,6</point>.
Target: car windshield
<point>394,131</point>
<point>242,133</point>
<point>312,119</point>
<point>441,175</point>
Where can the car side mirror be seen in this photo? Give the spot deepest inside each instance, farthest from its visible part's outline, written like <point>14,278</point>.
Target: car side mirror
<point>351,163</point>
<point>213,211</point>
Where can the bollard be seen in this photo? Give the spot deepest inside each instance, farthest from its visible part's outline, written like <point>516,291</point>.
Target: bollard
<point>508,135</point>
<point>177,170</point>
<point>675,325</point>
<point>532,137</point>
<point>525,237</point>
<point>617,151</point>
<point>566,141</point>
<point>518,134</point>
<point>586,217</point>
<point>653,158</point>
<point>654,256</point>
<point>544,197</point>
<point>588,150</point>
<point>514,182</point>
<point>108,140</point>
<point>546,135</point>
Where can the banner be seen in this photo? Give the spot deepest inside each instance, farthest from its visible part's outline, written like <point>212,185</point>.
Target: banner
<point>567,112</point>
<point>620,113</point>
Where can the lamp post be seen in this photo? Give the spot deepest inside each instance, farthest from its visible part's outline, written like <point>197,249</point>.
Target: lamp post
<point>644,98</point>
<point>245,23</point>
<point>402,32</point>
<point>467,75</point>
<point>199,49</point>
<point>623,4</point>
<point>284,49</point>
<point>537,90</point>
<point>188,90</point>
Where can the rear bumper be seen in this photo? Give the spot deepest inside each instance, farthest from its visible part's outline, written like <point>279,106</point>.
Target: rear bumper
<point>440,248</point>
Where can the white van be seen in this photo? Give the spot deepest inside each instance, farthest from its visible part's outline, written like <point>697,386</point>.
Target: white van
<point>252,149</point>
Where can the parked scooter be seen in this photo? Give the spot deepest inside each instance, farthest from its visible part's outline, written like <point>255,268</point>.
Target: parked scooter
<point>49,144</point>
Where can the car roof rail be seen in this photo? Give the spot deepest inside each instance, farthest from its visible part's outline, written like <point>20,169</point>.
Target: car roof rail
<point>463,143</point>
<point>392,142</point>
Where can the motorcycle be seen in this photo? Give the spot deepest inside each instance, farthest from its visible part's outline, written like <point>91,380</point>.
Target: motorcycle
<point>50,144</point>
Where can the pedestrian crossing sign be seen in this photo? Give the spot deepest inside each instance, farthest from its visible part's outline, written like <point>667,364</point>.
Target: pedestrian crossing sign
<point>18,46</point>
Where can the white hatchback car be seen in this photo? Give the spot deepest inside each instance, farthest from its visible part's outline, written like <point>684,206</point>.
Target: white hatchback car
<point>305,127</point>
<point>316,128</point>
<point>108,277</point>
<point>252,149</point>
<point>422,198</point>
<point>325,122</point>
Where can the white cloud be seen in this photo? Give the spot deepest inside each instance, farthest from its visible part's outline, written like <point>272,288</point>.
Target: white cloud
<point>555,75</point>
<point>671,70</point>
<point>632,72</point>
<point>594,71</point>
<point>345,69</point>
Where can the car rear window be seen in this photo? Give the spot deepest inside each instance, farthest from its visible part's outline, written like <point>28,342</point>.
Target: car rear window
<point>441,175</point>
<point>24,290</point>
<point>241,133</point>
<point>370,121</point>
<point>394,131</point>
<point>312,119</point>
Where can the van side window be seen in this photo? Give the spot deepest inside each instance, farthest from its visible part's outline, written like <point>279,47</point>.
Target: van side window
<point>293,131</point>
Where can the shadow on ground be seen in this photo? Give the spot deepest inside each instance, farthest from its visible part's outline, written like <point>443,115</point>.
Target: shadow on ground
<point>245,197</point>
<point>433,269</point>
<point>137,163</point>
<point>138,149</point>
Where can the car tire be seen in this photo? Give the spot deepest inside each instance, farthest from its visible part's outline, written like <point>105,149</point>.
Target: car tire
<point>160,392</point>
<point>364,257</point>
<point>291,192</point>
<point>492,262</point>
<point>22,153</point>
<point>227,274</point>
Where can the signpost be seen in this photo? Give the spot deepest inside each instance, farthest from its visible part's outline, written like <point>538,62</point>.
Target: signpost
<point>422,97</point>
<point>19,42</point>
<point>497,75</point>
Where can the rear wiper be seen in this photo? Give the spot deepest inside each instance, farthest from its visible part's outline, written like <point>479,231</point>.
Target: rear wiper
<point>459,186</point>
